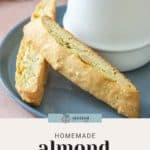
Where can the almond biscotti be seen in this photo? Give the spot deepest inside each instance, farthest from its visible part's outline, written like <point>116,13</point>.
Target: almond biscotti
<point>31,67</point>
<point>84,67</point>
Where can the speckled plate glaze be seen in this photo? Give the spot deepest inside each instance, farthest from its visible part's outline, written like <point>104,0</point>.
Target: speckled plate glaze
<point>61,96</point>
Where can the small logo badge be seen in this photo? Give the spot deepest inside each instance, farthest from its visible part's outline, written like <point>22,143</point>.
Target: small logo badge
<point>66,118</point>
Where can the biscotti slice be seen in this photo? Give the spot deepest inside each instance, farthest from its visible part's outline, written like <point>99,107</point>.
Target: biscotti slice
<point>31,67</point>
<point>83,66</point>
<point>89,71</point>
<point>31,73</point>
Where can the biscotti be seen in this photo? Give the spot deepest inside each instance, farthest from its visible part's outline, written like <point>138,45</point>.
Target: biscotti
<point>31,67</point>
<point>31,73</point>
<point>84,67</point>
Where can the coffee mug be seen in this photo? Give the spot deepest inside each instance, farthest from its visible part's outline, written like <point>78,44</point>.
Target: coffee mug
<point>112,27</point>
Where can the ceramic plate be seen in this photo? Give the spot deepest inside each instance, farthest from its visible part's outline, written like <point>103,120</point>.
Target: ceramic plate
<point>61,96</point>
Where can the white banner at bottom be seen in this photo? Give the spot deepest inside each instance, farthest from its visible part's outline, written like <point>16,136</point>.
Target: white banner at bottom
<point>110,134</point>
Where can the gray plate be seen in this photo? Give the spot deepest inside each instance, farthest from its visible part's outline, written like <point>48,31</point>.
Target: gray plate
<point>61,96</point>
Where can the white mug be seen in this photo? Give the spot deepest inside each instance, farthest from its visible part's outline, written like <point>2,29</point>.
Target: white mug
<point>112,26</point>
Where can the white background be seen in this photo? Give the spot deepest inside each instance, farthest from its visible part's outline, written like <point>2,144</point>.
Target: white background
<point>27,134</point>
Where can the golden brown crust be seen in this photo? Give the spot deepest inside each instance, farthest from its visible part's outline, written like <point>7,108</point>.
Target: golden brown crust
<point>125,100</point>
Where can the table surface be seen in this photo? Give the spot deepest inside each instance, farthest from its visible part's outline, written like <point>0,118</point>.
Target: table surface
<point>11,13</point>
